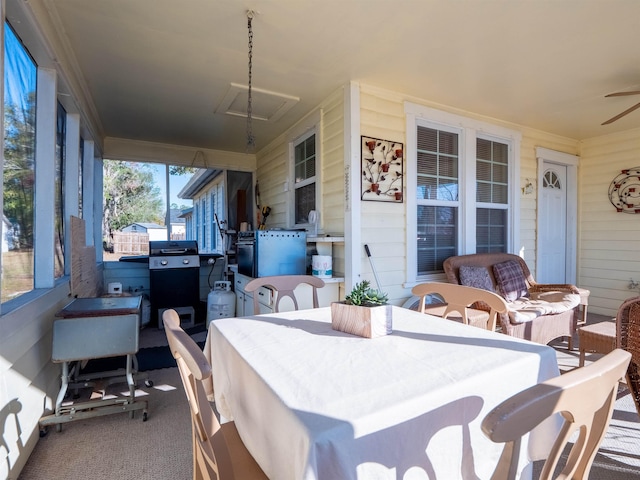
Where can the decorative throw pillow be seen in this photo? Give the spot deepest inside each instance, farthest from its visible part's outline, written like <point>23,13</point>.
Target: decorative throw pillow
<point>510,280</point>
<point>477,277</point>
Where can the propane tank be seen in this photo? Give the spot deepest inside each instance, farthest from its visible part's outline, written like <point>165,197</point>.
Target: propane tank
<point>221,302</point>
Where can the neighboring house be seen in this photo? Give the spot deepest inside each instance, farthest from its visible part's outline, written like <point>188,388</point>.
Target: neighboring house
<point>155,231</point>
<point>177,230</point>
<point>217,199</point>
<point>189,229</point>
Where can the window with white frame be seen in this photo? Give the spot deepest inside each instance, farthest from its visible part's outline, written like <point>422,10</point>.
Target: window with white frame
<point>207,205</point>
<point>305,154</point>
<point>219,216</point>
<point>33,253</point>
<point>492,195</point>
<point>304,185</point>
<point>437,197</point>
<point>462,190</point>
<point>20,73</point>
<point>60,158</point>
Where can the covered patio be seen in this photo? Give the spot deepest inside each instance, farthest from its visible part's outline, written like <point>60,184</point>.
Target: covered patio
<point>224,86</point>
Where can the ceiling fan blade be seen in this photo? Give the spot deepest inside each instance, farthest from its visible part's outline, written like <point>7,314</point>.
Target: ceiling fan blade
<point>620,115</point>
<point>623,94</point>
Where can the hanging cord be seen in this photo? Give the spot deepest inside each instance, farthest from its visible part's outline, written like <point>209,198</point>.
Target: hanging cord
<point>199,153</point>
<point>251,141</point>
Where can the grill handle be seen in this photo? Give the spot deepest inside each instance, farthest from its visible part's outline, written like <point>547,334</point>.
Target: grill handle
<point>173,251</point>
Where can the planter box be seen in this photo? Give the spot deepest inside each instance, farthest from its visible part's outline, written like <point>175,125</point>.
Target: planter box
<point>368,322</point>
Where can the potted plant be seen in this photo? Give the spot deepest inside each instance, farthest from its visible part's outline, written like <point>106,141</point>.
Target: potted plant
<point>364,312</point>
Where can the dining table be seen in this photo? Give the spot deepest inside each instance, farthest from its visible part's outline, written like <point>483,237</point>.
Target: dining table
<point>314,403</point>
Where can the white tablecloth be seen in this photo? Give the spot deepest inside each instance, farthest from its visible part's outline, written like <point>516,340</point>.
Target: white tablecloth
<point>313,403</point>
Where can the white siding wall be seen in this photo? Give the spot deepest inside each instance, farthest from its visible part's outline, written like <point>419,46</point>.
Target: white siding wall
<point>383,224</point>
<point>29,381</point>
<point>275,182</point>
<point>332,165</point>
<point>272,173</point>
<point>609,255</point>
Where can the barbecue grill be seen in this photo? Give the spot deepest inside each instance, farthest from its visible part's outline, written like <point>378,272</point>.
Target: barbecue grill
<point>174,277</point>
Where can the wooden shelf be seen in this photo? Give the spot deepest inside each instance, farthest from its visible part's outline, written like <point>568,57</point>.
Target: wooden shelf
<point>324,246</point>
<point>333,280</point>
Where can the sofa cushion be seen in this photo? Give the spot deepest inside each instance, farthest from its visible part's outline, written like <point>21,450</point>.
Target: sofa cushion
<point>510,280</point>
<point>477,277</point>
<point>542,303</point>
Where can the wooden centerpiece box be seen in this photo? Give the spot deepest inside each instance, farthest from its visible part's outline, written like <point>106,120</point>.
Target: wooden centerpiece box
<point>368,322</point>
<point>364,313</point>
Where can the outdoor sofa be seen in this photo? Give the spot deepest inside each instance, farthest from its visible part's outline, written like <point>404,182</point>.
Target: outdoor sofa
<point>537,312</point>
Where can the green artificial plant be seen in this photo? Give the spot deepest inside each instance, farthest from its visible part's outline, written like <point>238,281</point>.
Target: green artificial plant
<point>365,296</point>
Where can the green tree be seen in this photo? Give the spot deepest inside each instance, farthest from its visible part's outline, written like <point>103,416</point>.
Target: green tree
<point>19,171</point>
<point>130,195</point>
<point>182,206</point>
<point>180,170</point>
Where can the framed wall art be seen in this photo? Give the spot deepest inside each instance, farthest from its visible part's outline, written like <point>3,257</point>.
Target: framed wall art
<point>382,162</point>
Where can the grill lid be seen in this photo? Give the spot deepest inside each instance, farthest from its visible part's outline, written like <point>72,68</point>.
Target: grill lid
<point>172,248</point>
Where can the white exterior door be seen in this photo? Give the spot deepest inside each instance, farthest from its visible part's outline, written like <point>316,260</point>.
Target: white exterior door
<point>553,224</point>
<point>557,217</point>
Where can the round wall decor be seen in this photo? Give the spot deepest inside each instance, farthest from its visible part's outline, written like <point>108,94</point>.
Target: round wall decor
<point>624,191</point>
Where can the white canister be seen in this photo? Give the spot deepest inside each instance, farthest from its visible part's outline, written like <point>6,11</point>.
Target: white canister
<point>221,302</point>
<point>321,266</point>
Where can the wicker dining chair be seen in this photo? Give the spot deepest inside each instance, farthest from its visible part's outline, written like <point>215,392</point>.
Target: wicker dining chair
<point>628,338</point>
<point>284,286</point>
<point>584,397</point>
<point>218,450</point>
<point>458,301</point>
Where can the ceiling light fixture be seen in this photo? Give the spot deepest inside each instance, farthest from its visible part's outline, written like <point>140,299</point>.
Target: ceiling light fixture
<point>251,140</point>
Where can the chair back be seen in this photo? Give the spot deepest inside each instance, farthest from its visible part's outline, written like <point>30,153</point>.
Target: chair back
<point>214,455</point>
<point>584,397</point>
<point>628,338</point>
<point>284,286</point>
<point>458,298</point>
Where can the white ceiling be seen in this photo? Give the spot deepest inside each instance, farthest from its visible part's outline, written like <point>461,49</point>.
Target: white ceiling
<point>159,70</point>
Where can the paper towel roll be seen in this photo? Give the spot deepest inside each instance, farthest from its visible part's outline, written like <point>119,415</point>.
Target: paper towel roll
<point>321,266</point>
<point>314,219</point>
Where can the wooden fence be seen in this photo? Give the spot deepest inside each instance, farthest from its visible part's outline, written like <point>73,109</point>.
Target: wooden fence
<point>131,243</point>
<point>135,243</point>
